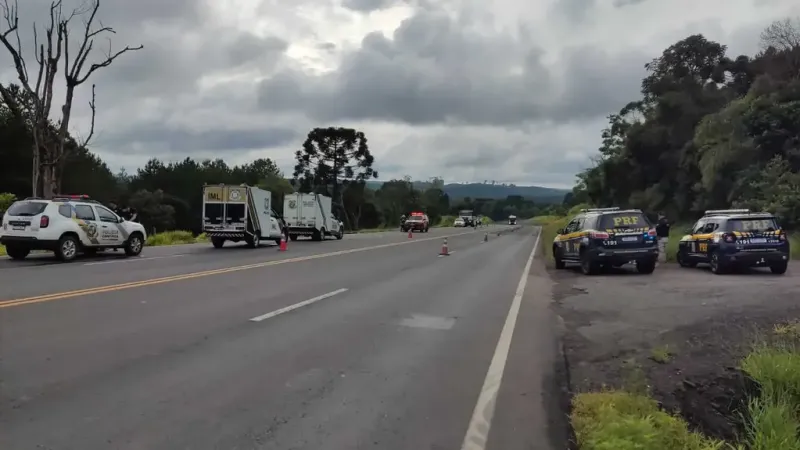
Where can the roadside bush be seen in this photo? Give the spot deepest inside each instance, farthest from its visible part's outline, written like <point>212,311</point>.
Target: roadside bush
<point>2,251</point>
<point>550,226</point>
<point>173,238</point>
<point>618,420</point>
<point>446,221</point>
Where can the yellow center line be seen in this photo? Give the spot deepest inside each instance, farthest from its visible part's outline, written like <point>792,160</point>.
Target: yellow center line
<point>205,273</point>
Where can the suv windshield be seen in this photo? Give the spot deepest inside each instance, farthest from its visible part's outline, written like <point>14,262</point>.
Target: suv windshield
<point>623,220</point>
<point>414,219</point>
<point>746,224</point>
<point>26,208</point>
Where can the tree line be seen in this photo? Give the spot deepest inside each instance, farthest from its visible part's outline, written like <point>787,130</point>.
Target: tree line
<point>710,131</point>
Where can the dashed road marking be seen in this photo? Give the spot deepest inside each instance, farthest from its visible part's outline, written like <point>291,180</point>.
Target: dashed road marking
<point>310,301</point>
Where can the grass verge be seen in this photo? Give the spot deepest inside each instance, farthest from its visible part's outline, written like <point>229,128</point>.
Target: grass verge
<point>177,237</point>
<point>617,419</point>
<point>2,250</point>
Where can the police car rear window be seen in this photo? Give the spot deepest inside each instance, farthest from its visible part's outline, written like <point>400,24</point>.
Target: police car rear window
<point>623,220</point>
<point>26,208</point>
<point>747,224</point>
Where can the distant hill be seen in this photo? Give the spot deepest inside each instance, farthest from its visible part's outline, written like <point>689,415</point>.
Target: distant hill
<point>493,191</point>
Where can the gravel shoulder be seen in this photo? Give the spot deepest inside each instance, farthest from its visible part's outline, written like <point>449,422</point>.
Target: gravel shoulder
<point>677,334</point>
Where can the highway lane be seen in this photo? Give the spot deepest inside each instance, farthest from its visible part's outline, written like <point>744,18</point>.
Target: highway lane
<point>397,361</point>
<point>22,279</point>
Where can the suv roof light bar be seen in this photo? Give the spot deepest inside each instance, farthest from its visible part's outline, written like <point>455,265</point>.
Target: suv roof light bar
<point>720,212</point>
<point>614,208</point>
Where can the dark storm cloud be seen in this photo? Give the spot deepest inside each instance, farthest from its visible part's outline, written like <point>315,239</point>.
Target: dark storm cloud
<point>185,141</point>
<point>436,71</point>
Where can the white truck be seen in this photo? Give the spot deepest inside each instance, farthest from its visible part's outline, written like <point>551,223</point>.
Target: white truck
<point>310,215</point>
<point>512,219</point>
<point>240,213</point>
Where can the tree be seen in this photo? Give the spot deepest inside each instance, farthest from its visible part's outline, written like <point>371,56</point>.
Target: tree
<point>781,35</point>
<point>330,159</point>
<point>50,144</point>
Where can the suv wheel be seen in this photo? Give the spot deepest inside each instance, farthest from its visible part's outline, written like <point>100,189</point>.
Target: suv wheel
<point>646,266</point>
<point>67,248</point>
<point>134,245</point>
<point>560,264</point>
<point>588,267</point>
<point>683,260</point>
<point>17,252</point>
<point>717,266</point>
<point>778,268</point>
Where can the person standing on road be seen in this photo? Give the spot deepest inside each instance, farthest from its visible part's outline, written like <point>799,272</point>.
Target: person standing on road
<point>662,232</point>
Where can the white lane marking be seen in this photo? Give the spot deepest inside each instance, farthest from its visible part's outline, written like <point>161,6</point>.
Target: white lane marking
<point>278,312</point>
<point>115,261</point>
<point>481,422</point>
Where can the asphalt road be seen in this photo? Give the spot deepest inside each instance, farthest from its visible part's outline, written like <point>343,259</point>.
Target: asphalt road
<point>373,342</point>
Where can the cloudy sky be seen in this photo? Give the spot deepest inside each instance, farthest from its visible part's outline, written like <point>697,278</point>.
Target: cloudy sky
<point>468,90</point>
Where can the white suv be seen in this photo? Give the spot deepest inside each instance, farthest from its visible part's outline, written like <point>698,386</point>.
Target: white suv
<point>67,226</point>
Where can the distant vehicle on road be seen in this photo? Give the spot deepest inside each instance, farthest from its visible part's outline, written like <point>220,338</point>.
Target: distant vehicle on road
<point>459,222</point>
<point>468,216</point>
<point>311,215</point>
<point>512,220</point>
<point>730,238</point>
<point>601,237</point>
<point>416,221</point>
<point>240,213</point>
<point>67,225</point>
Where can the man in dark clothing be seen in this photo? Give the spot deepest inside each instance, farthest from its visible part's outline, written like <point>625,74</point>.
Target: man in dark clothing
<point>662,231</point>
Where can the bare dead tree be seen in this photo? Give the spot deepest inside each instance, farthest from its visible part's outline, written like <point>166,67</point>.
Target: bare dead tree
<point>782,35</point>
<point>49,146</point>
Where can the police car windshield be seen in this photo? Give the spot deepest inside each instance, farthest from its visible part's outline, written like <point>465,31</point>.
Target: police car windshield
<point>752,224</point>
<point>26,208</point>
<point>623,220</point>
<point>415,219</point>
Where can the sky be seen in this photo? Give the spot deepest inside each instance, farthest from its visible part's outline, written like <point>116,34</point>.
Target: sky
<point>466,90</point>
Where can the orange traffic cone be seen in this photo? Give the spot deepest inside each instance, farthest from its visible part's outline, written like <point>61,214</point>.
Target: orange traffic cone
<point>445,251</point>
<point>284,246</point>
<point>410,234</point>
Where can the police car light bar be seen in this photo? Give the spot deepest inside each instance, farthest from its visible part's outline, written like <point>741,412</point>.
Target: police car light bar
<point>615,208</point>
<point>72,197</point>
<point>717,212</point>
<point>417,214</point>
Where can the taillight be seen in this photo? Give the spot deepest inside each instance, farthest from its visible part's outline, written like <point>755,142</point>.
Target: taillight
<point>44,222</point>
<point>729,237</point>
<point>599,235</point>
<point>652,232</point>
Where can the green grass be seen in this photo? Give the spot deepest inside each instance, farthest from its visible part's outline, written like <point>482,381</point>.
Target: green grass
<point>176,237</point>
<point>619,420</point>
<point>3,250</point>
<point>550,226</point>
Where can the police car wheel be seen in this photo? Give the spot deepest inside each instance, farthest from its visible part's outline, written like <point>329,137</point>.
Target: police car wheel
<point>779,268</point>
<point>646,267</point>
<point>134,245</point>
<point>588,267</point>
<point>340,235</point>
<point>17,252</point>
<point>67,248</point>
<point>683,261</point>
<point>560,264</point>
<point>717,266</point>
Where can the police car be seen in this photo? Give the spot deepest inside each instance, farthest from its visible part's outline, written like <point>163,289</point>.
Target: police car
<point>729,238</point>
<point>67,225</point>
<point>417,221</point>
<point>601,237</point>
